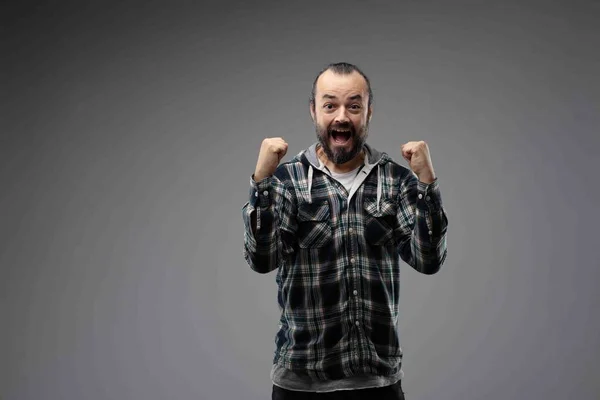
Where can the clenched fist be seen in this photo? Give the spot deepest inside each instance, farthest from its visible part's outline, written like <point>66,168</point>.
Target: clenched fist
<point>419,159</point>
<point>271,152</point>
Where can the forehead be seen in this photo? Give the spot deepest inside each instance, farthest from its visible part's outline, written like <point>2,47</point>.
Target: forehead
<point>341,85</point>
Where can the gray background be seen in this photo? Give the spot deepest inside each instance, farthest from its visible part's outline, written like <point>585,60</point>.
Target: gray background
<point>128,137</point>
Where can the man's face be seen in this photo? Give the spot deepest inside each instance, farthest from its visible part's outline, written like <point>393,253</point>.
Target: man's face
<point>341,115</point>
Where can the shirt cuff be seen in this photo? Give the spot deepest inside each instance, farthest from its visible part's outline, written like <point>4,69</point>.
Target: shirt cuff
<point>260,192</point>
<point>429,196</point>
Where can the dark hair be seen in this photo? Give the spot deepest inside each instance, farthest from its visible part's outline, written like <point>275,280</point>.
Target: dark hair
<point>341,68</point>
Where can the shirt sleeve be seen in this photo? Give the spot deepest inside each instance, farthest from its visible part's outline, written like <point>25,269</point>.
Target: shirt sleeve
<point>273,206</point>
<point>422,225</point>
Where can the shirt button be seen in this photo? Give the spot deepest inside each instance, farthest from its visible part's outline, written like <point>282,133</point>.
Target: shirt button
<point>420,196</point>
<point>350,230</point>
<point>430,232</point>
<point>266,193</point>
<point>427,198</point>
<point>357,323</point>
<point>256,194</point>
<point>352,260</point>
<point>355,292</point>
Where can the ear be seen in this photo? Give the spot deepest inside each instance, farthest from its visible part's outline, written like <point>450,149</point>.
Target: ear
<point>370,113</point>
<point>312,111</point>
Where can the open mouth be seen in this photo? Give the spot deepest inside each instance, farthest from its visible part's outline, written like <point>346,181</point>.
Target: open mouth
<point>341,136</point>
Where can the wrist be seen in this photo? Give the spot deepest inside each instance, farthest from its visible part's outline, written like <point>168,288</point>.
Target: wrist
<point>257,176</point>
<point>427,178</point>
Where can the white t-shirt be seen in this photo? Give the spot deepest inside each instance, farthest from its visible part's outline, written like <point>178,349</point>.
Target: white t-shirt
<point>346,178</point>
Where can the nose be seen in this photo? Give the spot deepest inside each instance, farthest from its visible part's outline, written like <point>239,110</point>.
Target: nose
<point>341,117</point>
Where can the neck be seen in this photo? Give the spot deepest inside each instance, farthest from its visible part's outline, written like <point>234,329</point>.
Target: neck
<point>341,168</point>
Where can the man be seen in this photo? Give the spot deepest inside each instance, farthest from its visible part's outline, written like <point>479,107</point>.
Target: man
<point>336,221</point>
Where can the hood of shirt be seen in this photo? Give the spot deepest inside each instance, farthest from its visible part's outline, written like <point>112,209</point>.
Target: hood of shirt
<point>373,159</point>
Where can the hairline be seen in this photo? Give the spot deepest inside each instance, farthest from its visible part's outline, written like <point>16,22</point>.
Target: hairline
<point>341,68</point>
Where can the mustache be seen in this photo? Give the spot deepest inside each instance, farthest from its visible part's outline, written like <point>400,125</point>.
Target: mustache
<point>341,127</point>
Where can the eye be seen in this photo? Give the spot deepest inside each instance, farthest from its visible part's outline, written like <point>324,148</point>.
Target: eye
<point>355,106</point>
<point>328,106</point>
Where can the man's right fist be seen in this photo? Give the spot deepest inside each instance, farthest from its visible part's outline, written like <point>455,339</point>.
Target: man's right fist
<point>271,152</point>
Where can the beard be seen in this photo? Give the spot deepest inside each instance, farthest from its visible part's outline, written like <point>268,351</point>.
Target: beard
<point>340,154</point>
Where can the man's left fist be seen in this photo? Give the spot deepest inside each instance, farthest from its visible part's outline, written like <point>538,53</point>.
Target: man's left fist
<point>419,159</point>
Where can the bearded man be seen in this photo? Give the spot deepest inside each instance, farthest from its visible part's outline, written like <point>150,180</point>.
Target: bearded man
<point>336,221</point>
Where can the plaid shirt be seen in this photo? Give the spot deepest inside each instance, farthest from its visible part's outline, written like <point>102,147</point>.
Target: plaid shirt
<point>338,256</point>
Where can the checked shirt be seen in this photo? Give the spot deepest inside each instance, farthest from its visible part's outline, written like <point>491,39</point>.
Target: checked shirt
<point>338,254</point>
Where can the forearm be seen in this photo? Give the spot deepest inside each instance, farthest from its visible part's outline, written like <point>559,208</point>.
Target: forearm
<point>260,228</point>
<point>253,223</point>
<point>270,225</point>
<point>425,246</point>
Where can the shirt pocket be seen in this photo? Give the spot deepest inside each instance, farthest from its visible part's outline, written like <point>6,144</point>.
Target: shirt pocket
<point>380,223</point>
<point>314,225</point>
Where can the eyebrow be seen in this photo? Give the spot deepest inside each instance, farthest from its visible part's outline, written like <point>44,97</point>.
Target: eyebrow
<point>330,96</point>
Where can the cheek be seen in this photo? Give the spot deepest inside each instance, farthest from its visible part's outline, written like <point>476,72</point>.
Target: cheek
<point>323,120</point>
<point>358,120</point>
